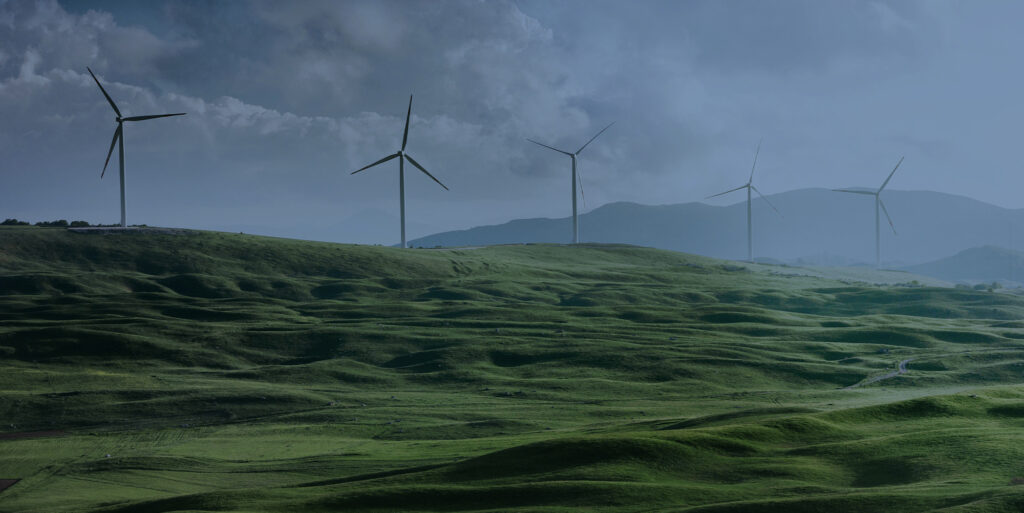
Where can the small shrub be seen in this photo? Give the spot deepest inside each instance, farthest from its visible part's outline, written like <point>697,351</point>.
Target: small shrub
<point>60,223</point>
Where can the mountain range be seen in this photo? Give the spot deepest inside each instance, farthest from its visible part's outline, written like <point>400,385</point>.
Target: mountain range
<point>813,226</point>
<point>984,264</point>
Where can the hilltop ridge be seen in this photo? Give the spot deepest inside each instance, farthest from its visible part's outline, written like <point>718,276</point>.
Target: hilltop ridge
<point>816,226</point>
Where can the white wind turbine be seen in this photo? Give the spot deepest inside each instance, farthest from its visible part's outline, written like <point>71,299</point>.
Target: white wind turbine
<point>575,218</point>
<point>119,140</point>
<point>402,157</point>
<point>878,203</point>
<point>750,186</point>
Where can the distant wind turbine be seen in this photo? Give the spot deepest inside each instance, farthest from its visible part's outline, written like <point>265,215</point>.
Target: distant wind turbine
<point>119,140</point>
<point>575,178</point>
<point>878,203</point>
<point>750,186</point>
<point>401,169</point>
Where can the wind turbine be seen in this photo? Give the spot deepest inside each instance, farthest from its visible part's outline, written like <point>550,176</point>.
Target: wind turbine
<point>575,218</point>
<point>402,157</point>
<point>119,140</point>
<point>749,186</point>
<point>878,203</point>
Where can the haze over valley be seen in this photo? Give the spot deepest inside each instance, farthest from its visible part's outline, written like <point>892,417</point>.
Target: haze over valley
<point>817,227</point>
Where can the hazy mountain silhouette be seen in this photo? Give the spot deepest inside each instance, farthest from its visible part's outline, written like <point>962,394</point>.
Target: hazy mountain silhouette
<point>976,265</point>
<point>817,226</point>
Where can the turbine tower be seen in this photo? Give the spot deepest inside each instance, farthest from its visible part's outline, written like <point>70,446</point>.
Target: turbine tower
<point>878,203</point>
<point>402,157</point>
<point>575,218</point>
<point>119,140</point>
<point>749,186</point>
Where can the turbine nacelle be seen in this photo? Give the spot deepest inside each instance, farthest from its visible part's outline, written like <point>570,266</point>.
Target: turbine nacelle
<point>402,156</point>
<point>118,139</point>
<point>576,178</point>
<point>749,186</point>
<point>878,204</point>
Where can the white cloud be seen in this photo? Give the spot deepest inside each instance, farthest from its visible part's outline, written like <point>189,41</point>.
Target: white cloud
<point>889,19</point>
<point>27,73</point>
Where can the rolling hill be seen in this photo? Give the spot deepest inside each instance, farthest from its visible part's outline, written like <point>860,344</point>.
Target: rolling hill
<point>199,371</point>
<point>817,226</point>
<point>985,264</point>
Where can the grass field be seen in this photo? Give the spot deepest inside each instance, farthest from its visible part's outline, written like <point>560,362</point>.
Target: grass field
<point>225,372</point>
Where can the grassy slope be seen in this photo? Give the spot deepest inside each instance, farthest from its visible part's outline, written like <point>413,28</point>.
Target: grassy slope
<point>226,372</point>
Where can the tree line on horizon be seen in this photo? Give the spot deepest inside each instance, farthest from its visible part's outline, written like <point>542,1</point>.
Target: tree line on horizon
<point>60,223</point>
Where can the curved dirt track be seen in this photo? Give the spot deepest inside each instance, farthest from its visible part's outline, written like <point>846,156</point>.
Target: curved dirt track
<point>901,368</point>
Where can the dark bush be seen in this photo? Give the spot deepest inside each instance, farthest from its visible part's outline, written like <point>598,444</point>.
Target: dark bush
<point>13,222</point>
<point>60,223</point>
<point>79,224</point>
<point>988,286</point>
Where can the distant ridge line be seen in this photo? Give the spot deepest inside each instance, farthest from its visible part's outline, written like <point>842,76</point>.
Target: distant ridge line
<point>817,230</point>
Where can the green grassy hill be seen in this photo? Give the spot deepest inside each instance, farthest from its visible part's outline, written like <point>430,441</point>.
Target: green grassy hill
<point>226,372</point>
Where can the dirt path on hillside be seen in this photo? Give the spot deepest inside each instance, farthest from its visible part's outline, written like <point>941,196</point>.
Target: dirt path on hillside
<point>901,368</point>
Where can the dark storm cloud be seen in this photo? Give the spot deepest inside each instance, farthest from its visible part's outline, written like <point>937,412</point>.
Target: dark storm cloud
<point>285,98</point>
<point>46,35</point>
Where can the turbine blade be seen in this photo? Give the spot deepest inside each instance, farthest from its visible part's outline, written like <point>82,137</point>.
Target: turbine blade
<point>141,118</point>
<point>385,159</point>
<point>756,153</point>
<point>855,191</point>
<point>549,147</point>
<point>726,192</point>
<point>117,134</point>
<point>880,202</point>
<point>408,114</point>
<point>766,200</point>
<point>417,164</point>
<point>595,137</point>
<point>112,104</point>
<point>890,175</point>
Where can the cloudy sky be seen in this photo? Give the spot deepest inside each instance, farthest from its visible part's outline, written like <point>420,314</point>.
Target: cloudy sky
<point>285,99</point>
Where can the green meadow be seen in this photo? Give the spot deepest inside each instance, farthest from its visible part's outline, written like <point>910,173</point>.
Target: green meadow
<point>202,371</point>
